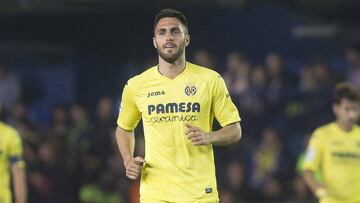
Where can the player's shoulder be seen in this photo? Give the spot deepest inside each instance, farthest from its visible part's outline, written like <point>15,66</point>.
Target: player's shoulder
<point>325,131</point>
<point>8,131</point>
<point>139,79</point>
<point>205,71</point>
<point>357,129</point>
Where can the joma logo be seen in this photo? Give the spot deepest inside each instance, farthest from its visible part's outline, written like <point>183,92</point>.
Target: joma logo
<point>157,93</point>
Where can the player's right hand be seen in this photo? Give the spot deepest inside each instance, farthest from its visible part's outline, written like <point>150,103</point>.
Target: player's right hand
<point>133,167</point>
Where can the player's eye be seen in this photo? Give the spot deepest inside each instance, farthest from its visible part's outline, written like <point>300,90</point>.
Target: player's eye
<point>161,32</point>
<point>177,31</point>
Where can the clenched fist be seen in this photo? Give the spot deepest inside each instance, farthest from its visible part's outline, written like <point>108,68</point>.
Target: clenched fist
<point>197,136</point>
<point>133,167</point>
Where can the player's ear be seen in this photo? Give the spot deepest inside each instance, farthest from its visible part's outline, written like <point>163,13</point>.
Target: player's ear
<point>335,108</point>
<point>187,39</point>
<point>154,43</point>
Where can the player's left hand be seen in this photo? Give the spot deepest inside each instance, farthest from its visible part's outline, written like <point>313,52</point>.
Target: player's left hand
<point>197,136</point>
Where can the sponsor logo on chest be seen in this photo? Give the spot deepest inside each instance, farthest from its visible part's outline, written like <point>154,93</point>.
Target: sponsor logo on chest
<point>174,108</point>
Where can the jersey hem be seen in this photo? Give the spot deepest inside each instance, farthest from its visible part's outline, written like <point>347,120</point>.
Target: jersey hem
<point>205,200</point>
<point>125,127</point>
<point>229,122</point>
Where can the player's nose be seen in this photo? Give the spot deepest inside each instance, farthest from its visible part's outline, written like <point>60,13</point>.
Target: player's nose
<point>169,37</point>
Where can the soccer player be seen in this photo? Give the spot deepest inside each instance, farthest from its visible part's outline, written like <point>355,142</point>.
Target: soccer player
<point>11,162</point>
<point>177,101</point>
<point>334,151</point>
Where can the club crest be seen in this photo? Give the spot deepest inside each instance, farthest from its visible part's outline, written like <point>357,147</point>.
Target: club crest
<point>190,90</point>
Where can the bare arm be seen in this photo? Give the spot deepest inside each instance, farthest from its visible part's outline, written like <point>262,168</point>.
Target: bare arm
<point>225,136</point>
<point>19,181</point>
<point>126,144</point>
<point>317,188</point>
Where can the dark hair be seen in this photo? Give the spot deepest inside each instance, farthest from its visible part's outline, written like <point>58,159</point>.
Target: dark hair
<point>172,13</point>
<point>346,90</point>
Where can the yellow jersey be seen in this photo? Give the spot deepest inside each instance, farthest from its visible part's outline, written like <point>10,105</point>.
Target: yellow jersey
<point>175,170</point>
<point>10,153</point>
<point>335,154</point>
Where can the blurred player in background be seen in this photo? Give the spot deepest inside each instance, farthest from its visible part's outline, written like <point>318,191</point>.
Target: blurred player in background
<point>11,162</point>
<point>177,102</point>
<point>334,151</point>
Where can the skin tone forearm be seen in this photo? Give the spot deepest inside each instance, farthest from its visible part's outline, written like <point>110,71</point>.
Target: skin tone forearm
<point>225,136</point>
<point>19,181</point>
<point>126,144</point>
<point>317,188</point>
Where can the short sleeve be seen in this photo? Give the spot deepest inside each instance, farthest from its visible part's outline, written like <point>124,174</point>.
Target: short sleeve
<point>129,114</point>
<point>313,154</point>
<point>223,108</point>
<point>15,149</point>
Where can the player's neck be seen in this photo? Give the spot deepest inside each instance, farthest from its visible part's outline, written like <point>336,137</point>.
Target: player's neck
<point>171,70</point>
<point>343,126</point>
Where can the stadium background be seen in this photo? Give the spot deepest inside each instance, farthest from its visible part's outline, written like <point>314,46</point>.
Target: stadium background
<point>69,60</point>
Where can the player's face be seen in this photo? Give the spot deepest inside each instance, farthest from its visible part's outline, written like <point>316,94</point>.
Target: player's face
<point>170,39</point>
<point>347,112</point>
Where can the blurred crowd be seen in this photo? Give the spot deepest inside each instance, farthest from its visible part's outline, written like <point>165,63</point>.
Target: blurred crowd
<point>74,158</point>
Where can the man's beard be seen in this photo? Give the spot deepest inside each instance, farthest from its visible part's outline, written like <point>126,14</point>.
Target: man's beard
<point>171,57</point>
